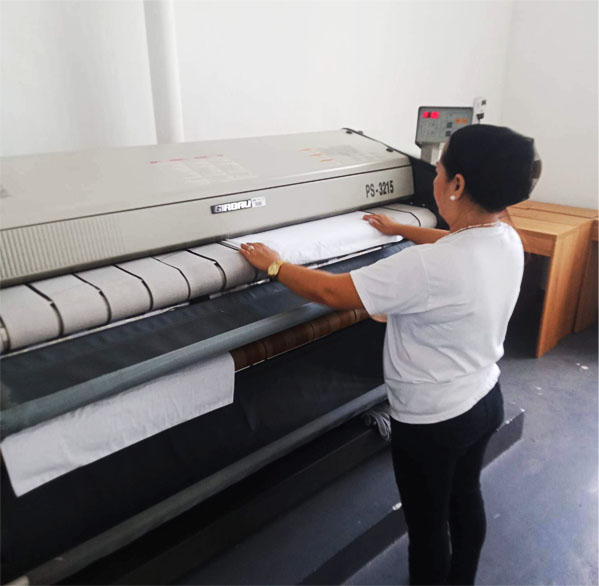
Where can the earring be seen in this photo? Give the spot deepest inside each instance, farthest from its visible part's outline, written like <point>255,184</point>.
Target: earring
<point>452,197</point>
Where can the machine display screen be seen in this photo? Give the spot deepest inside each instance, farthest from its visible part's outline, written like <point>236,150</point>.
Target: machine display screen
<point>436,124</point>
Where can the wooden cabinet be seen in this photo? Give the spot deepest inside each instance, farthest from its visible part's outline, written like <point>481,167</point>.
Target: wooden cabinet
<point>568,237</point>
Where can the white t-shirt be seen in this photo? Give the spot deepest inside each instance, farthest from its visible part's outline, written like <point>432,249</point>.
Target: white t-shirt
<point>447,306</point>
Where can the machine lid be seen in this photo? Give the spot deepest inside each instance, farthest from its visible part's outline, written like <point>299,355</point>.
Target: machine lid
<point>38,189</point>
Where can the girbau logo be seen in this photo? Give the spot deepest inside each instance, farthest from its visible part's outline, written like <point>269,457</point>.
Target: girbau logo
<point>233,206</point>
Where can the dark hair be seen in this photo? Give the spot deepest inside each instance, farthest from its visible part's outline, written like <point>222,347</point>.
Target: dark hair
<point>497,163</point>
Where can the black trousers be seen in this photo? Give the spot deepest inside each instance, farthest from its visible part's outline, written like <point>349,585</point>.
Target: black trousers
<point>437,469</point>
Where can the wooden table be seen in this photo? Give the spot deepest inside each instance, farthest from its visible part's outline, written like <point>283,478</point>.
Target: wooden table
<point>563,234</point>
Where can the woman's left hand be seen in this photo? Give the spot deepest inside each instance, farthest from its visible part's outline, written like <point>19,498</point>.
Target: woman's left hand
<point>259,255</point>
<point>383,223</point>
<point>380,317</point>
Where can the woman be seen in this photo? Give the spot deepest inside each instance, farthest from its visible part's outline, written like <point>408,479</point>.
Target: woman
<point>447,302</point>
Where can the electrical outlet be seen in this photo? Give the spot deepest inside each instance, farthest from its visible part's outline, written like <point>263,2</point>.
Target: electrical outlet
<point>479,106</point>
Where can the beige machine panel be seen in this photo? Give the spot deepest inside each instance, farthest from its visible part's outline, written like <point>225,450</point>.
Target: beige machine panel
<point>203,276</point>
<point>27,317</point>
<point>166,284</point>
<point>79,304</point>
<point>236,270</point>
<point>125,293</point>
<point>65,212</point>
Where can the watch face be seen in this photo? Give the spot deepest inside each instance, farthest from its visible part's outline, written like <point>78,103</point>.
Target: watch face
<point>273,269</point>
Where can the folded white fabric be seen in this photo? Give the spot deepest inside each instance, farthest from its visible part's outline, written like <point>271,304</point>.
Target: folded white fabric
<point>333,237</point>
<point>39,454</point>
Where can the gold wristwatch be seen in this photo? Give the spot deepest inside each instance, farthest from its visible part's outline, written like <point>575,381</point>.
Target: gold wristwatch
<point>274,268</point>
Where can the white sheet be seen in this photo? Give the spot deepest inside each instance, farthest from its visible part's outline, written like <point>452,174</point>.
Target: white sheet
<point>39,454</point>
<point>332,237</point>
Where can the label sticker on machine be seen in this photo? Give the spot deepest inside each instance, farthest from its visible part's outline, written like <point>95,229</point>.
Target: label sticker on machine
<point>234,206</point>
<point>382,188</point>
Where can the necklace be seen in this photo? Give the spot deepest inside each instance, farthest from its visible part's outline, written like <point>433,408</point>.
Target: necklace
<point>488,225</point>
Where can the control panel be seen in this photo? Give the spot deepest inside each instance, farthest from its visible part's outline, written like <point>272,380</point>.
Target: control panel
<point>436,124</point>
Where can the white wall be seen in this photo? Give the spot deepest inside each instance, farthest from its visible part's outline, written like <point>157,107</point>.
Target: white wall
<point>551,95</point>
<point>73,75</point>
<point>255,68</point>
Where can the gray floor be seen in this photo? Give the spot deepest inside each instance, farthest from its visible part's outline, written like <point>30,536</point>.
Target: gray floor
<point>541,496</point>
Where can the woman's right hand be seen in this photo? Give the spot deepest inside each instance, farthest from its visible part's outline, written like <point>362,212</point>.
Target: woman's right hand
<point>383,224</point>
